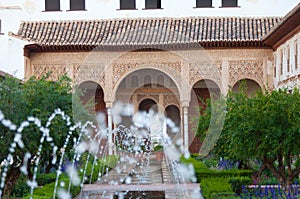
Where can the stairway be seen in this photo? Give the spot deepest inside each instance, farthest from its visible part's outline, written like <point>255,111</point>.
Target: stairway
<point>143,179</point>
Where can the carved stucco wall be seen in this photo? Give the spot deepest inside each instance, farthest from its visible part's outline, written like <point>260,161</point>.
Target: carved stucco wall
<point>224,66</point>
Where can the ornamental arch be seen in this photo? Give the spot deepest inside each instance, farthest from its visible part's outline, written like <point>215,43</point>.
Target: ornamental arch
<point>173,112</point>
<point>141,89</point>
<point>251,86</point>
<point>94,93</point>
<point>201,91</point>
<point>147,104</point>
<point>167,62</point>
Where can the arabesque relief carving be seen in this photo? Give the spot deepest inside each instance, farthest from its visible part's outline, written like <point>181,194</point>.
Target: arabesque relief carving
<point>245,69</point>
<point>205,70</point>
<point>93,72</point>
<point>170,98</point>
<point>119,69</point>
<point>55,71</point>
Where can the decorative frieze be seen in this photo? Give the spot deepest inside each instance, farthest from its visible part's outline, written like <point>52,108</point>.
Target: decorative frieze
<point>90,72</point>
<point>205,70</point>
<point>242,69</point>
<point>55,71</point>
<point>119,69</point>
<point>170,99</point>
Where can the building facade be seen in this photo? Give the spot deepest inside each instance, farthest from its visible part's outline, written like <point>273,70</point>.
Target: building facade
<point>161,62</point>
<point>285,41</point>
<point>12,12</point>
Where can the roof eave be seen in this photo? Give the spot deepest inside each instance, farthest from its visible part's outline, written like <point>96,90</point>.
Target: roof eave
<point>288,27</point>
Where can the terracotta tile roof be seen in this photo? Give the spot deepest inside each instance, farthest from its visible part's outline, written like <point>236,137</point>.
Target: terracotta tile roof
<point>147,32</point>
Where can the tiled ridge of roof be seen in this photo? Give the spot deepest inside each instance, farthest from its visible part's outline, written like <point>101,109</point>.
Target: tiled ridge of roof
<point>146,31</point>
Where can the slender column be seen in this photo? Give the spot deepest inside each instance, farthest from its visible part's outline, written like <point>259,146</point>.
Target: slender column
<point>186,128</point>
<point>109,125</point>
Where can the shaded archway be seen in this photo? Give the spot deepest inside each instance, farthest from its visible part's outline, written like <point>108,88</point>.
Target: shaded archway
<point>251,86</point>
<point>147,83</point>
<point>173,113</point>
<point>93,93</point>
<point>148,104</point>
<point>201,91</point>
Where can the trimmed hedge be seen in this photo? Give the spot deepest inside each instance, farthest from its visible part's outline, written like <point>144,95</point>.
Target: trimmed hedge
<point>224,195</point>
<point>210,186</point>
<point>198,165</point>
<point>219,183</point>
<point>238,182</point>
<point>206,173</point>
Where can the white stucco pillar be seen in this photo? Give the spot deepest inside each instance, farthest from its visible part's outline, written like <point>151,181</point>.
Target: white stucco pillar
<point>185,128</point>
<point>109,126</point>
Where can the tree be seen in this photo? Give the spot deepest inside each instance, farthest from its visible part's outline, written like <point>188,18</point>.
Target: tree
<point>265,127</point>
<point>38,98</point>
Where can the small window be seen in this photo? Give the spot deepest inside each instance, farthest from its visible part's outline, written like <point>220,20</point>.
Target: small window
<point>1,33</point>
<point>127,4</point>
<point>52,5</point>
<point>160,81</point>
<point>147,81</point>
<point>203,3</point>
<point>152,4</point>
<point>77,4</point>
<point>229,3</point>
<point>134,81</point>
<point>288,59</point>
<point>281,62</point>
<point>296,54</point>
<point>275,65</point>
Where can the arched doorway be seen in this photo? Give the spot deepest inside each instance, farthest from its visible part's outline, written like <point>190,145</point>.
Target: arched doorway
<point>173,113</point>
<point>201,91</point>
<point>148,104</point>
<point>251,86</point>
<point>151,84</point>
<point>205,89</point>
<point>93,93</point>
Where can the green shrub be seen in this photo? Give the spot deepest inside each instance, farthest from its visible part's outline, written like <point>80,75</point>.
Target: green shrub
<point>158,148</point>
<point>238,182</point>
<point>224,195</point>
<point>215,185</point>
<point>198,165</point>
<point>43,179</point>
<point>207,173</point>
<point>21,188</point>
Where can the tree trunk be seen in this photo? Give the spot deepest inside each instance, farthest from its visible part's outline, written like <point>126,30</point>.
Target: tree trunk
<point>48,168</point>
<point>12,176</point>
<point>278,173</point>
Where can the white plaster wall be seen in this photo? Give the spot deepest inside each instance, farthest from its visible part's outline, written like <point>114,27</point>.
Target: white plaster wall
<point>13,11</point>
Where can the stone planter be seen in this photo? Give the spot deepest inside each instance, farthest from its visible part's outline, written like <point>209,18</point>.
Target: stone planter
<point>159,155</point>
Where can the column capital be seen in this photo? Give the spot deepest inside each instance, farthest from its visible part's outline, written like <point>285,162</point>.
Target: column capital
<point>185,103</point>
<point>109,104</point>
